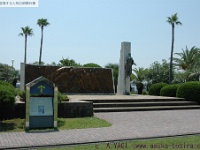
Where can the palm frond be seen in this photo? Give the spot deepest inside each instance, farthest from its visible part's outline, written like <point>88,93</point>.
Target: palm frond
<point>174,20</point>
<point>20,34</point>
<point>42,22</point>
<point>188,59</point>
<point>26,31</point>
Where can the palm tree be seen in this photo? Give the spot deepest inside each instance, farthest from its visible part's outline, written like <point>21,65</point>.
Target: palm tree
<point>188,58</point>
<point>42,23</point>
<point>195,74</point>
<point>138,76</point>
<point>189,61</point>
<point>173,20</point>
<point>26,31</point>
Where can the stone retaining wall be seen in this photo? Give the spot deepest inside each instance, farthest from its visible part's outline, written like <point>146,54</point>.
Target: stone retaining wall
<point>75,109</point>
<point>65,110</point>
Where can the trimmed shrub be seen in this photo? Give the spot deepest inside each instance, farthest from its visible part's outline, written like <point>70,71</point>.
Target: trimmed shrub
<point>155,88</point>
<point>7,93</point>
<point>144,93</point>
<point>7,99</point>
<point>190,91</point>
<point>169,90</point>
<point>22,95</point>
<point>62,97</point>
<point>6,84</point>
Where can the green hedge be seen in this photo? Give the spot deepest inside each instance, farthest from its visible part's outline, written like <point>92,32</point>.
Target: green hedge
<point>7,93</point>
<point>155,88</point>
<point>61,97</point>
<point>190,91</point>
<point>169,90</point>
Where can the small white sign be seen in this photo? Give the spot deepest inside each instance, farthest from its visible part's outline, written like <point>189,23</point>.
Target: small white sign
<point>18,3</point>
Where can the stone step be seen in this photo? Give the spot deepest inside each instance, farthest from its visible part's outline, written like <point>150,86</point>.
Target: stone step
<point>143,104</point>
<point>125,109</point>
<point>114,103</point>
<point>134,100</point>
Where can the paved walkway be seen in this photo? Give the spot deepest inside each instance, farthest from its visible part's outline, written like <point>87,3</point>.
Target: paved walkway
<point>114,97</point>
<point>126,125</point>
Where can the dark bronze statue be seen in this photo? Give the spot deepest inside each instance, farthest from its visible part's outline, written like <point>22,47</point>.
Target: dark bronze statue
<point>128,65</point>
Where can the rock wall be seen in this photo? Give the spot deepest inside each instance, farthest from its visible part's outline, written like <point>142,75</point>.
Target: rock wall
<point>65,110</point>
<point>73,80</point>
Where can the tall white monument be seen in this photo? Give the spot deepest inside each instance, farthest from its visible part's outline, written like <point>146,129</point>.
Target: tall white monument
<point>125,69</point>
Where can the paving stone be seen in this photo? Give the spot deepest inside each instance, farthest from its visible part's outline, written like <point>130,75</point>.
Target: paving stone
<point>125,125</point>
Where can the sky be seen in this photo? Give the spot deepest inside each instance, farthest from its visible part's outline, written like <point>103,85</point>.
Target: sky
<point>91,31</point>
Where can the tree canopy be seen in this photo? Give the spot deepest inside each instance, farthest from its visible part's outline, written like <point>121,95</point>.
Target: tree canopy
<point>69,62</point>
<point>7,73</point>
<point>189,62</point>
<point>92,65</point>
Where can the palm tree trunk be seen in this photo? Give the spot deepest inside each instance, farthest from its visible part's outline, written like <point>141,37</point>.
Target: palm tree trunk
<point>40,58</point>
<point>171,58</point>
<point>25,49</point>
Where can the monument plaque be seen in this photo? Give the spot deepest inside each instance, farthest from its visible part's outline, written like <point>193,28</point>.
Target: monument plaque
<point>41,104</point>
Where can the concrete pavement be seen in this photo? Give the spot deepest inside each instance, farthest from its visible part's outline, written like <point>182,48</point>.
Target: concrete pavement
<point>125,125</point>
<point>114,97</point>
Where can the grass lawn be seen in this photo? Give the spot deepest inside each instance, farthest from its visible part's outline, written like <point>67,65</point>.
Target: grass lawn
<point>175,143</point>
<point>13,125</point>
<point>17,125</point>
<point>81,123</point>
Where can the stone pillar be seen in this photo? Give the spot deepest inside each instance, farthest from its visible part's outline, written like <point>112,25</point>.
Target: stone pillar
<point>123,86</point>
<point>22,76</point>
